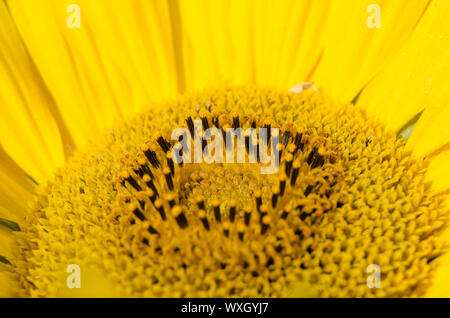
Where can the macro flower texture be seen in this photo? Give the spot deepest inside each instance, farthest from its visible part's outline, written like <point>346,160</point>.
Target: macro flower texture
<point>353,97</point>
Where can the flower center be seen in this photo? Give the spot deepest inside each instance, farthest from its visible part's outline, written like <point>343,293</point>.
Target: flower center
<point>345,196</point>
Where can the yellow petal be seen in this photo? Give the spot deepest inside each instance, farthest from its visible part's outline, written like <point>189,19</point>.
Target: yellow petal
<point>304,46</point>
<point>440,284</point>
<point>432,130</point>
<point>417,76</point>
<point>29,130</point>
<point>355,52</point>
<point>7,244</point>
<point>7,285</point>
<point>264,42</point>
<point>206,40</point>
<point>431,138</point>
<point>288,40</point>
<point>240,24</point>
<point>117,62</point>
<point>15,189</point>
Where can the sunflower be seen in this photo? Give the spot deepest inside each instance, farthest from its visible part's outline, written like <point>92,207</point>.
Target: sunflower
<point>91,91</point>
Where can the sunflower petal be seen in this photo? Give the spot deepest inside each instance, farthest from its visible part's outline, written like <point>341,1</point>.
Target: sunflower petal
<point>206,41</point>
<point>272,44</point>
<point>417,76</point>
<point>440,286</point>
<point>30,134</point>
<point>432,130</point>
<point>6,282</point>
<point>288,41</point>
<point>355,52</point>
<point>439,173</point>
<point>8,244</point>
<point>431,138</point>
<point>15,189</point>
<point>118,61</point>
